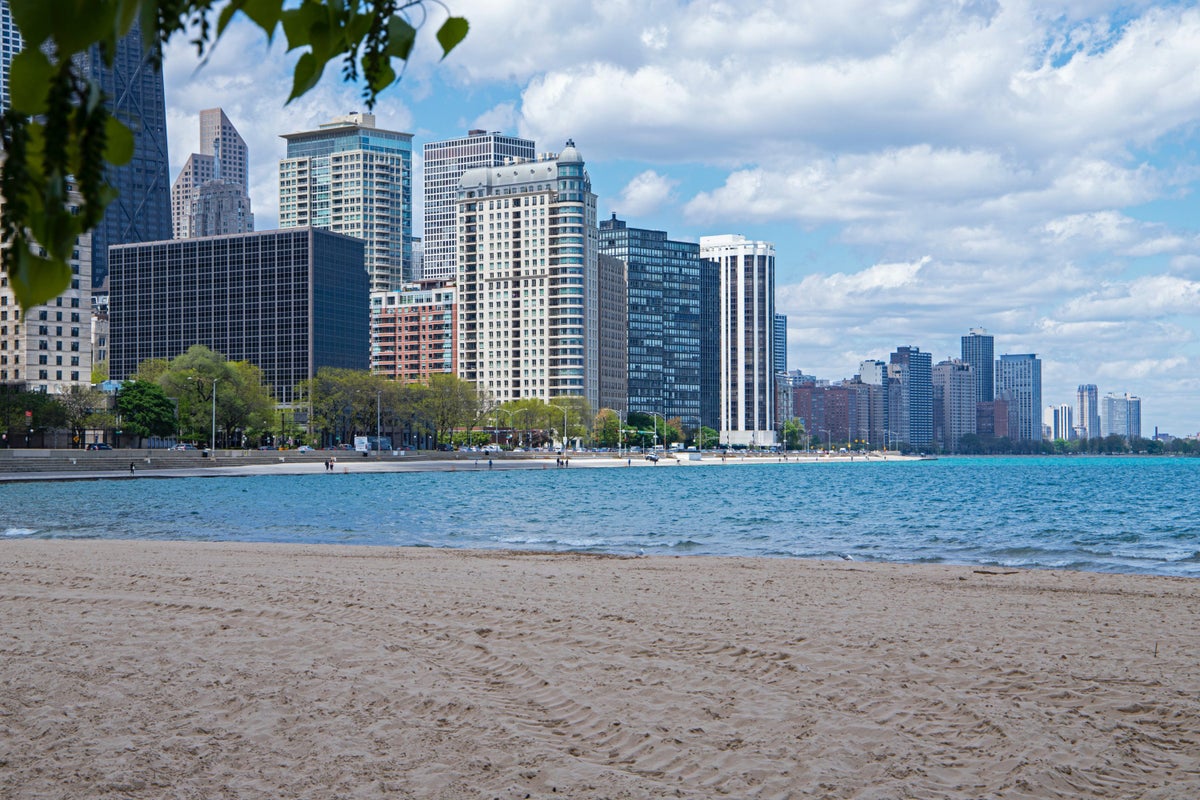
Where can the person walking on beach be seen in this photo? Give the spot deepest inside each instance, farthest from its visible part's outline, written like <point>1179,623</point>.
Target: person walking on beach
<point>132,468</point>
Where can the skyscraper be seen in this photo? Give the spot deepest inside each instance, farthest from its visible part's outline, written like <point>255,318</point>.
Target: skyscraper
<point>445,163</point>
<point>747,297</point>
<point>1121,416</point>
<point>663,320</point>
<point>1021,375</point>
<point>528,279</point>
<point>10,45</point>
<point>210,195</point>
<point>1063,422</point>
<point>133,90</point>
<point>910,410</point>
<point>351,177</point>
<point>1089,411</point>
<point>979,350</point>
<point>780,350</point>
<point>289,302</point>
<point>954,402</point>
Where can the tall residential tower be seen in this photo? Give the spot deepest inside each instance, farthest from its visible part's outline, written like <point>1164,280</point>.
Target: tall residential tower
<point>663,320</point>
<point>747,336</point>
<point>528,280</point>
<point>350,177</point>
<point>979,350</point>
<point>445,163</point>
<point>1020,378</point>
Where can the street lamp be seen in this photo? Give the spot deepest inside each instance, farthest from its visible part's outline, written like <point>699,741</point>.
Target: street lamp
<point>828,439</point>
<point>656,415</point>
<point>564,431</point>
<point>496,423</point>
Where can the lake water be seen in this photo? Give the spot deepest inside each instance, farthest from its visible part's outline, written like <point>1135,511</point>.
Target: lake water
<point>1097,514</point>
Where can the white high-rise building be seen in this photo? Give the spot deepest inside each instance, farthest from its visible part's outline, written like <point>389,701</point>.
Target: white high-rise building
<point>747,303</point>
<point>1022,376</point>
<point>10,45</point>
<point>445,162</point>
<point>1062,419</point>
<point>528,279</point>
<point>351,177</point>
<point>1121,416</point>
<point>210,196</point>
<point>1089,411</point>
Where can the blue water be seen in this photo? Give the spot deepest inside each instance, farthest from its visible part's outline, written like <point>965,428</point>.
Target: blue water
<point>1094,514</point>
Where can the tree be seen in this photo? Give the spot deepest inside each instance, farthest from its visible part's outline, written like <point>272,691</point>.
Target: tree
<point>145,409</point>
<point>709,438</point>
<point>607,427</point>
<point>793,429</point>
<point>243,401</point>
<point>451,402</point>
<point>59,138</point>
<point>79,404</point>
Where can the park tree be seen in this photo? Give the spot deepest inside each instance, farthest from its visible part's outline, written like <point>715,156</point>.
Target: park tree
<point>709,438</point>
<point>80,404</point>
<point>451,402</point>
<point>607,428</point>
<point>59,138</point>
<point>145,410</point>
<point>346,402</point>
<point>243,402</point>
<point>793,429</point>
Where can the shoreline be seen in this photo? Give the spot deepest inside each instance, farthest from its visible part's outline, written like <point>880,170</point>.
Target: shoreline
<point>146,669</point>
<point>67,466</point>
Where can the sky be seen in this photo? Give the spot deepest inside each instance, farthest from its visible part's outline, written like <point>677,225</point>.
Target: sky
<point>923,167</point>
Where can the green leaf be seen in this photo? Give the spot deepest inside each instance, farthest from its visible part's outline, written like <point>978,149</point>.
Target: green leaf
<point>401,36</point>
<point>35,18</point>
<point>36,280</point>
<point>308,72</point>
<point>118,142</point>
<point>263,13</point>
<point>29,78</point>
<point>452,32</point>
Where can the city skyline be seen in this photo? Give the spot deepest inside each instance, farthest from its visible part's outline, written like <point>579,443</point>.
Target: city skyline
<point>1043,192</point>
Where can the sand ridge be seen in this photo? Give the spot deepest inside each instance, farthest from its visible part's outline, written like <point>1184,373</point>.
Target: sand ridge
<point>145,670</point>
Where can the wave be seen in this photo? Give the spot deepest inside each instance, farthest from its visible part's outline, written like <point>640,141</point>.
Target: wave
<point>14,532</point>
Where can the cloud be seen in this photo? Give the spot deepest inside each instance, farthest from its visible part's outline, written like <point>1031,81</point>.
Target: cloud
<point>643,195</point>
<point>1151,297</point>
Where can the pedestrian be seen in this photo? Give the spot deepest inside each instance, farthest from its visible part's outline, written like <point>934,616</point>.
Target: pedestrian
<point>132,468</point>
<point>489,463</point>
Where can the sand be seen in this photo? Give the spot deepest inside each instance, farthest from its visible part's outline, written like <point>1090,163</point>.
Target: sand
<point>151,670</point>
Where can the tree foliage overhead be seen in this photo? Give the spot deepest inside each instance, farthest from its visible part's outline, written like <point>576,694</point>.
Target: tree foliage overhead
<point>59,138</point>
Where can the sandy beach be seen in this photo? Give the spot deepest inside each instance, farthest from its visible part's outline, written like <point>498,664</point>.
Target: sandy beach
<point>150,670</point>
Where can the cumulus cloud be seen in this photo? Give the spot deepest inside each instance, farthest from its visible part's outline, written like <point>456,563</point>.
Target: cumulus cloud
<point>643,195</point>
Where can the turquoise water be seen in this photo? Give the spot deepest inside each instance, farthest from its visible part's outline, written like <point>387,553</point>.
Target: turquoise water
<point>1095,514</point>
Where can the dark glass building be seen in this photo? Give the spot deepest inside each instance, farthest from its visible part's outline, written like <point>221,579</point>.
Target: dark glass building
<point>664,320</point>
<point>289,301</point>
<point>979,350</point>
<point>133,89</point>
<point>914,411</point>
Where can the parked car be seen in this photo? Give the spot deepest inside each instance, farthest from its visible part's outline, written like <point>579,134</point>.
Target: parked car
<point>99,446</point>
<point>304,449</point>
<point>184,446</point>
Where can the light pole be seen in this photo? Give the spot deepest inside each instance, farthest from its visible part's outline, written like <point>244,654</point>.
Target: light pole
<point>828,439</point>
<point>378,425</point>
<point>564,433</point>
<point>656,415</point>
<point>496,423</point>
